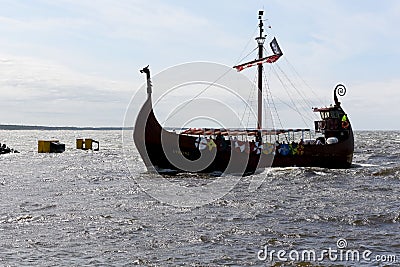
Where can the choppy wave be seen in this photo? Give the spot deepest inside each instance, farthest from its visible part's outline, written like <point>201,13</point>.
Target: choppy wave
<point>83,208</point>
<point>395,171</point>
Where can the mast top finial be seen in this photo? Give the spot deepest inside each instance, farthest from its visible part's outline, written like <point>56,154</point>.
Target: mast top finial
<point>260,14</point>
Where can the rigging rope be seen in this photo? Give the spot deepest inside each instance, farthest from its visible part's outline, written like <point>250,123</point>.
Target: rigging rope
<point>269,97</point>
<point>305,83</point>
<point>268,92</point>
<point>308,104</point>
<point>244,49</point>
<point>290,97</point>
<point>247,55</point>
<point>214,82</point>
<point>303,97</point>
<point>249,103</point>
<point>273,104</point>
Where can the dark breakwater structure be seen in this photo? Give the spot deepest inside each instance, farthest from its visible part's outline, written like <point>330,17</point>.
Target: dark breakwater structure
<point>4,149</point>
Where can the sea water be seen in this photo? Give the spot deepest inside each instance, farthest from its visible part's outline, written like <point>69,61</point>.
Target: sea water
<point>85,208</point>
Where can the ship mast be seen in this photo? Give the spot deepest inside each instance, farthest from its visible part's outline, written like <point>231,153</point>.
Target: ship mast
<point>277,53</point>
<point>260,40</point>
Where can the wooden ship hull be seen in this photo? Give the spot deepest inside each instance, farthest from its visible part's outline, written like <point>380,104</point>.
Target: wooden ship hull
<point>244,151</point>
<point>164,151</point>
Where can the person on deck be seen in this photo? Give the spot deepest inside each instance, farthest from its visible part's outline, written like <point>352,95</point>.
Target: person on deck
<point>258,137</point>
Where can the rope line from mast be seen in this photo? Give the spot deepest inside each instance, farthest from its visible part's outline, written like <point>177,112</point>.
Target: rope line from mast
<point>214,82</point>
<point>244,49</point>
<point>271,102</point>
<point>303,97</point>
<point>308,104</point>
<point>249,103</point>
<point>294,106</point>
<point>305,83</point>
<point>196,96</point>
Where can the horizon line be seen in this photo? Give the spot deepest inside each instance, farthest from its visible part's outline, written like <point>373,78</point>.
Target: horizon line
<point>43,127</point>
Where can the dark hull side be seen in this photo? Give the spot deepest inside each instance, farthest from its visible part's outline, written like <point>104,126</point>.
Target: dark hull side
<point>334,156</point>
<point>165,151</point>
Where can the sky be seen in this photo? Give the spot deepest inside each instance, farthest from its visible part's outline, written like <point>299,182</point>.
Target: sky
<point>75,63</point>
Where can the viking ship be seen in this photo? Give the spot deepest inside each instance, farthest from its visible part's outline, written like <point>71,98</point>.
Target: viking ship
<point>245,151</point>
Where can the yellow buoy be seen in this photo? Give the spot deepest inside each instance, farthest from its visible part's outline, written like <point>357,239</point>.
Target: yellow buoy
<point>79,143</point>
<point>50,146</point>
<point>86,144</point>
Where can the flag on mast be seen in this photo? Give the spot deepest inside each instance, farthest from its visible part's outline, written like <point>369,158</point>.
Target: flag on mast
<point>275,47</point>
<point>269,59</point>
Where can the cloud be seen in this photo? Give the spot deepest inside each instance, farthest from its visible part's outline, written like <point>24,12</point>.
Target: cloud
<point>31,87</point>
<point>135,20</point>
<point>371,105</point>
<point>333,36</point>
<point>68,56</point>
